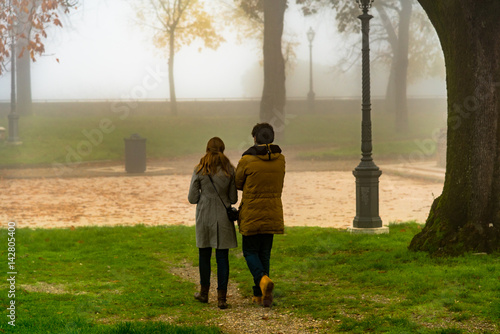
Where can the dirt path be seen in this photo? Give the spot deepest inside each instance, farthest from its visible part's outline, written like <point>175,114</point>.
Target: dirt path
<point>244,317</point>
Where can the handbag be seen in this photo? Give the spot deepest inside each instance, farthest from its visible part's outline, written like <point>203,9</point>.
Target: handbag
<point>232,213</point>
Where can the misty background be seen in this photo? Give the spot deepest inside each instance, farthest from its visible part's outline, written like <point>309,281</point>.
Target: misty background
<point>102,53</point>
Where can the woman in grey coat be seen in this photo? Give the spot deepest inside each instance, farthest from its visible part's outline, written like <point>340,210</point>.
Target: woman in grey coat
<point>213,228</point>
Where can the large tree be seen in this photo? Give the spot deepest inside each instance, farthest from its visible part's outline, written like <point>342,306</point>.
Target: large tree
<point>178,23</point>
<point>466,217</point>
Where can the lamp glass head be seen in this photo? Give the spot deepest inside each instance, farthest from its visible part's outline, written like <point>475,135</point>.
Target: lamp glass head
<point>310,34</point>
<point>364,4</point>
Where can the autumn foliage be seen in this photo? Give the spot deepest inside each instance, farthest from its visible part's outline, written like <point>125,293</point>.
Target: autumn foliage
<point>28,20</point>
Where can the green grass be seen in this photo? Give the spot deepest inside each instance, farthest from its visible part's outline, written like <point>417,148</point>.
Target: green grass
<point>117,280</point>
<point>48,139</point>
<point>98,279</point>
<point>55,137</point>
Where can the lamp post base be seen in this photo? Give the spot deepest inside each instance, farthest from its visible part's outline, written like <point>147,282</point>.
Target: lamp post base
<point>367,201</point>
<point>13,137</point>
<point>377,230</point>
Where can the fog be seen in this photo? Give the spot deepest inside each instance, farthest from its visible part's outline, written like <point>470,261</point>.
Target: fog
<point>102,53</point>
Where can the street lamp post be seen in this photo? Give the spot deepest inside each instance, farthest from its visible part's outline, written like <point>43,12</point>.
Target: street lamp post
<point>367,174</point>
<point>13,138</point>
<point>310,95</point>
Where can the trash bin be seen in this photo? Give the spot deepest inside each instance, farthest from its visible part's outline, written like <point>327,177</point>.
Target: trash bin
<point>135,154</point>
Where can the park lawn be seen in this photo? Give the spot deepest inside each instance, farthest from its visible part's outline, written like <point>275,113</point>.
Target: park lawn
<point>117,280</point>
<point>49,139</point>
<point>53,138</point>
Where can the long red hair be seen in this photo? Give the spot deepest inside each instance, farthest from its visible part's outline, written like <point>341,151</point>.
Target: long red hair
<point>214,158</point>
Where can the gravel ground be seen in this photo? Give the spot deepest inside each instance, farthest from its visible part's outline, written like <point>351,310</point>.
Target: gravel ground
<point>243,316</point>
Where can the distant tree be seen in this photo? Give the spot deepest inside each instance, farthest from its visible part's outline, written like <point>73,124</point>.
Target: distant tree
<point>269,15</point>
<point>466,217</point>
<point>23,81</point>
<point>246,17</point>
<point>23,65</point>
<point>178,23</point>
<point>23,25</point>
<point>272,105</point>
<point>15,18</point>
<point>404,41</point>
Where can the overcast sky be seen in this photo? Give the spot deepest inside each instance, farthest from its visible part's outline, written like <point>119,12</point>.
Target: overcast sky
<point>103,54</point>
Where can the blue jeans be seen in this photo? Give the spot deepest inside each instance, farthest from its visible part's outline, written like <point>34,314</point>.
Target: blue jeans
<point>257,253</point>
<point>222,258</point>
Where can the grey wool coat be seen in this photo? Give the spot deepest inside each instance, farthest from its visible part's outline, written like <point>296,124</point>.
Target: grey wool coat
<point>213,228</point>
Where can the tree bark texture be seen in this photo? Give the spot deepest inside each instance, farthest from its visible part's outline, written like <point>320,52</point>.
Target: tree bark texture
<point>272,106</point>
<point>466,217</point>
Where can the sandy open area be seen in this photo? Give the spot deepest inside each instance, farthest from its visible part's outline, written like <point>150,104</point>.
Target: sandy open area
<point>310,198</point>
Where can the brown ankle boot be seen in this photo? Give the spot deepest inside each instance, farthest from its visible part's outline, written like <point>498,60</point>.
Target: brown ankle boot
<point>257,300</point>
<point>267,286</point>
<point>221,299</point>
<point>202,296</point>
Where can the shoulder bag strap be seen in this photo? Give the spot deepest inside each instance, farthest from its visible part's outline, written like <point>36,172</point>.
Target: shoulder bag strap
<point>217,191</point>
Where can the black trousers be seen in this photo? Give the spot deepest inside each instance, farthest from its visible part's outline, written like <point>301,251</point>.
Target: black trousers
<point>222,258</point>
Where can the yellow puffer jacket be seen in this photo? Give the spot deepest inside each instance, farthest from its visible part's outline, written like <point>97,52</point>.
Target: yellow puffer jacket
<point>260,174</point>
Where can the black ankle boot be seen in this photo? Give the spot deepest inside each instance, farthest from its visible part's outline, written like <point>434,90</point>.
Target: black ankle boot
<point>202,296</point>
<point>221,299</point>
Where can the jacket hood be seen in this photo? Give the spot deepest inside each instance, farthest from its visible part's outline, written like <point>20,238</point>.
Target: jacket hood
<point>264,152</point>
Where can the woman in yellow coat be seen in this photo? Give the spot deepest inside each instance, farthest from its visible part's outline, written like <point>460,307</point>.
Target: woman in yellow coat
<point>260,174</point>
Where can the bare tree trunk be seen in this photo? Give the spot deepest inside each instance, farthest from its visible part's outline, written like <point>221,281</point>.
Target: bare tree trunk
<point>390,94</point>
<point>396,93</point>
<point>171,82</point>
<point>401,73</point>
<point>272,106</point>
<point>23,64</point>
<point>23,76</point>
<point>466,217</point>
<point>392,38</point>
